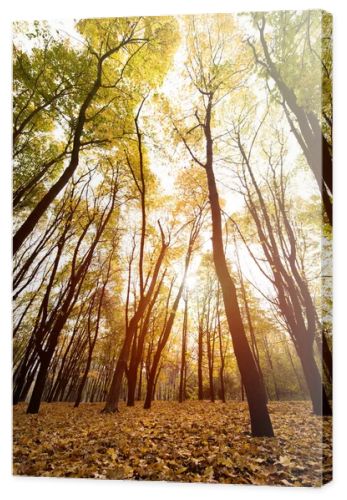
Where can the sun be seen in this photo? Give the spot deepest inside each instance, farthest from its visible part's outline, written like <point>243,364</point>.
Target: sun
<point>191,282</point>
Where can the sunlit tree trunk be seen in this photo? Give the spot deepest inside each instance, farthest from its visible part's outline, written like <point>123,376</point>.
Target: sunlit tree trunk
<point>181,393</point>
<point>210,360</point>
<point>200,358</point>
<point>114,391</point>
<point>221,353</point>
<point>154,369</point>
<point>138,346</point>
<point>255,390</point>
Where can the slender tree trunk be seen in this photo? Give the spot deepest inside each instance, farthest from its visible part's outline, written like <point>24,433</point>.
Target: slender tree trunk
<point>23,390</point>
<point>21,375</point>
<point>170,321</point>
<point>153,372</point>
<point>254,387</point>
<point>221,353</point>
<point>151,383</point>
<point>114,392</point>
<point>139,387</point>
<point>268,355</point>
<point>137,348</point>
<point>145,298</point>
<point>200,357</point>
<point>210,364</point>
<point>181,394</point>
<point>83,380</point>
<point>132,379</point>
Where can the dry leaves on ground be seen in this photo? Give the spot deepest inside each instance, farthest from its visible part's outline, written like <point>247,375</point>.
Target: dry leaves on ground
<point>193,442</point>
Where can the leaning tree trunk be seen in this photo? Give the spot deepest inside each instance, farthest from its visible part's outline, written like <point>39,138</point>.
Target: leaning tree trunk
<point>254,386</point>
<point>83,381</point>
<point>139,387</point>
<point>114,392</point>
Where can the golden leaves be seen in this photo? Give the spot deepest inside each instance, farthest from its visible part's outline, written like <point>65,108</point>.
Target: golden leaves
<point>192,442</point>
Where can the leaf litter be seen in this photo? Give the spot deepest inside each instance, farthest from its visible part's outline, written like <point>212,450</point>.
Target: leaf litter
<point>192,442</point>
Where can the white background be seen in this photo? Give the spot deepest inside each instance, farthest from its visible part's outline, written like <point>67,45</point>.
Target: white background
<point>40,488</point>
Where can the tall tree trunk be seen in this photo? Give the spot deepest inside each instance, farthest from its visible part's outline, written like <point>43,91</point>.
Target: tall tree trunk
<point>200,357</point>
<point>268,355</point>
<point>139,387</point>
<point>255,390</point>
<point>210,364</point>
<point>181,394</point>
<point>221,353</point>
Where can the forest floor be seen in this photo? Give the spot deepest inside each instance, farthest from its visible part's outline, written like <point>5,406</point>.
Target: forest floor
<point>192,442</point>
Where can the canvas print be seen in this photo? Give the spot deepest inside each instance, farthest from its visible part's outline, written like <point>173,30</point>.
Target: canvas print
<point>172,217</point>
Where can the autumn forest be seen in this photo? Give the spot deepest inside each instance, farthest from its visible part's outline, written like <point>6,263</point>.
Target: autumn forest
<point>172,208</point>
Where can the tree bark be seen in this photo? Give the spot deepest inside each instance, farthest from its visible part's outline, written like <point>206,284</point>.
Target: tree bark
<point>181,393</point>
<point>320,402</point>
<point>200,357</point>
<point>255,390</point>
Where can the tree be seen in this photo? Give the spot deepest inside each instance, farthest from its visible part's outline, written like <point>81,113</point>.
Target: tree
<point>48,325</point>
<point>301,110</point>
<point>280,249</point>
<point>208,75</point>
<point>168,324</point>
<point>105,40</point>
